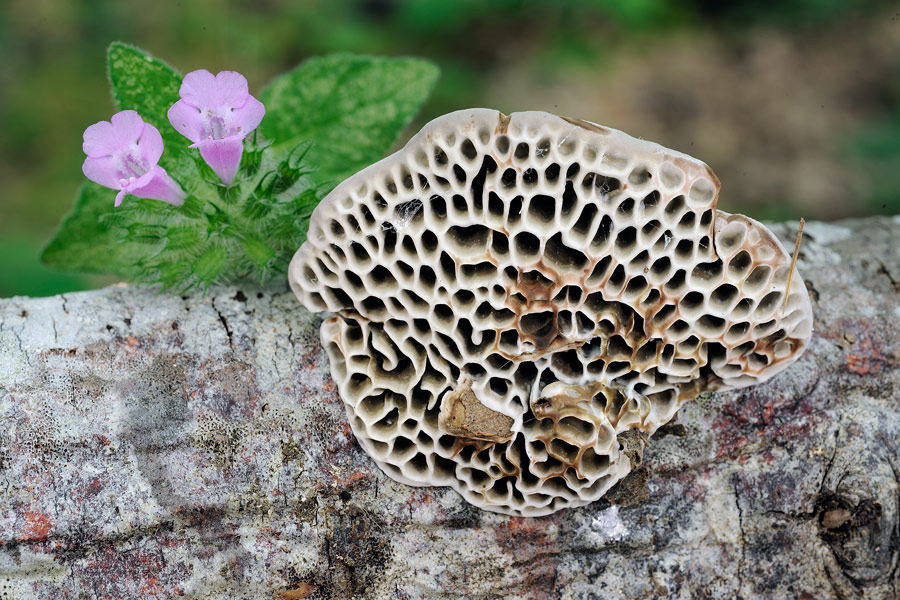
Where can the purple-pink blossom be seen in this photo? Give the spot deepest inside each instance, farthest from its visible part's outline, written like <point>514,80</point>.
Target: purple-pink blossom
<point>122,154</point>
<point>216,112</point>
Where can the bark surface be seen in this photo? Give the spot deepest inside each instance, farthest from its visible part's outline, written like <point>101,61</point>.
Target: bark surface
<point>195,447</point>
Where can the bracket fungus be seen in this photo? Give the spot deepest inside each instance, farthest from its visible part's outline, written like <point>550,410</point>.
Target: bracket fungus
<point>513,293</point>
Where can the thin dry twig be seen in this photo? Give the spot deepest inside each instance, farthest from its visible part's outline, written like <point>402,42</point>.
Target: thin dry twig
<point>787,289</point>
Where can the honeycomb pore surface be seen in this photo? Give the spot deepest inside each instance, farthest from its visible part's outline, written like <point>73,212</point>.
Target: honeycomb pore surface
<point>511,293</point>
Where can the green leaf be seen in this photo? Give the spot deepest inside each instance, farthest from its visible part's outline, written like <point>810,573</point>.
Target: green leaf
<point>258,252</point>
<point>86,240</point>
<point>256,208</point>
<point>192,207</point>
<point>183,238</point>
<point>85,237</point>
<point>352,108</point>
<point>22,274</point>
<point>345,111</point>
<point>210,264</point>
<point>145,84</point>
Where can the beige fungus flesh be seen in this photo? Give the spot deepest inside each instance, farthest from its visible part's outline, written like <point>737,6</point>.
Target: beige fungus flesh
<point>511,293</point>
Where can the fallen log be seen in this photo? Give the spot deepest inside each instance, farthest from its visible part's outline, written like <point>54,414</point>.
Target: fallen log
<point>162,447</point>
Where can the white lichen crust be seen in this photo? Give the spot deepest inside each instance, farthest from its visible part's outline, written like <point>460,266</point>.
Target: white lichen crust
<point>513,292</point>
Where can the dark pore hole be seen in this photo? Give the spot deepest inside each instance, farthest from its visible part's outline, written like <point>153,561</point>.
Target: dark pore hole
<point>563,257</point>
<point>522,151</point>
<point>542,208</point>
<point>537,324</point>
<point>527,244</point>
<point>468,149</point>
<point>471,238</point>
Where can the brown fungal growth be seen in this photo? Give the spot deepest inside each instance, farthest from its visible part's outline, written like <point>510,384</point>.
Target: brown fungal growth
<point>464,416</point>
<point>513,293</point>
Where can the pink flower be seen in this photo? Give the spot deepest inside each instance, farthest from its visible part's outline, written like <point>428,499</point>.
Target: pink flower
<point>122,155</point>
<point>216,112</point>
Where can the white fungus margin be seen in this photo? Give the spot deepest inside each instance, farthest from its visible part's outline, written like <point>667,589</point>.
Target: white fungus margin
<point>511,293</point>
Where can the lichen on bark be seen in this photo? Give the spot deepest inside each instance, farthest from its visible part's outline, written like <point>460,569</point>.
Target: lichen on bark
<point>196,447</point>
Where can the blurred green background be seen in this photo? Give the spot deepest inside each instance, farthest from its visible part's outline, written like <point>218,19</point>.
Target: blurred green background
<point>795,104</point>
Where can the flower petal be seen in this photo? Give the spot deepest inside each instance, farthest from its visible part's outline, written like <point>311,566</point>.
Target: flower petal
<point>99,139</point>
<point>128,126</point>
<point>133,184</point>
<point>223,156</point>
<point>150,144</point>
<point>248,117</point>
<point>231,89</point>
<point>197,88</point>
<point>157,185</point>
<point>104,138</point>
<point>102,170</point>
<point>201,89</point>
<point>119,197</point>
<point>187,120</point>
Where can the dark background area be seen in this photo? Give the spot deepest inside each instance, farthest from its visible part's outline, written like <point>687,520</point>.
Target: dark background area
<point>794,104</point>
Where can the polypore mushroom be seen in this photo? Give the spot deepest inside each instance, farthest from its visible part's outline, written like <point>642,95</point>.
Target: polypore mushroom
<point>511,293</point>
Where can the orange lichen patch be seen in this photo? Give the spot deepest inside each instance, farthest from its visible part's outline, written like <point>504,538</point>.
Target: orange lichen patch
<point>299,591</point>
<point>419,498</point>
<point>750,422</point>
<point>344,480</point>
<point>515,292</point>
<point>152,588</point>
<point>95,486</point>
<point>534,542</point>
<point>866,359</point>
<point>37,526</point>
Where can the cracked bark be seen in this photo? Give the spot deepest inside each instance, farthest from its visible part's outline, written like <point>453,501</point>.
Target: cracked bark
<point>196,447</point>
<point>224,321</point>
<point>743,539</point>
